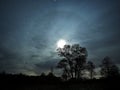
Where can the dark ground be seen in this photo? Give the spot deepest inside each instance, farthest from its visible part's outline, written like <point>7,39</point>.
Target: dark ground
<point>22,82</point>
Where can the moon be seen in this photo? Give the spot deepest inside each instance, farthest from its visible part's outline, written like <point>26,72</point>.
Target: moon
<point>61,43</point>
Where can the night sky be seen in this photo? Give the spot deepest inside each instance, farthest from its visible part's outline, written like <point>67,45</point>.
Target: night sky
<point>30,29</point>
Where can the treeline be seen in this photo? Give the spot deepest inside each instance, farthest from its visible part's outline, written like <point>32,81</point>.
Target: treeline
<point>75,65</point>
<point>25,79</point>
<point>51,82</point>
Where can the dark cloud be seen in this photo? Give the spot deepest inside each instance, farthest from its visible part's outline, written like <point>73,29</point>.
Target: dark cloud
<point>47,64</point>
<point>7,60</point>
<point>30,29</point>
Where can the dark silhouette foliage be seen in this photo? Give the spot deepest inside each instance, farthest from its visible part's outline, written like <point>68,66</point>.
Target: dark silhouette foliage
<point>90,68</point>
<point>73,60</point>
<point>109,69</point>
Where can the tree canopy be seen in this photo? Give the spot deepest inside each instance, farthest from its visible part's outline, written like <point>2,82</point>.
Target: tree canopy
<point>73,60</point>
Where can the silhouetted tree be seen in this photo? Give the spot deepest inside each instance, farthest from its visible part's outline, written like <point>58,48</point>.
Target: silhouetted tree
<point>109,69</point>
<point>51,70</point>
<point>114,71</point>
<point>43,74</point>
<point>74,59</point>
<point>51,75</point>
<point>63,65</point>
<point>90,68</point>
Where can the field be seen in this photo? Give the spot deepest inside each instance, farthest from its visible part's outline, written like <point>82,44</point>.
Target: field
<point>20,82</point>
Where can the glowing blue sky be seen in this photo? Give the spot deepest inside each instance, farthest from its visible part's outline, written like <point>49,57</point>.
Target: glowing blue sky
<point>29,30</point>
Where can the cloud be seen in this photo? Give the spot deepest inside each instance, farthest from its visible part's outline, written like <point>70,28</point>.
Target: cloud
<point>46,66</point>
<point>7,60</point>
<point>29,32</point>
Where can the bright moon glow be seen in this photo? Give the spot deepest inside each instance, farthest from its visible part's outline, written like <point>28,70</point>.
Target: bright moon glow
<point>61,43</point>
